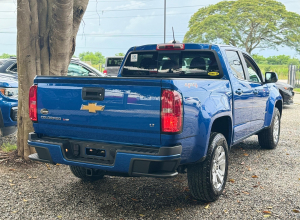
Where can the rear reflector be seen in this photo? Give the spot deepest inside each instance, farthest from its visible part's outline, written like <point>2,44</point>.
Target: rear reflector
<point>105,72</point>
<point>170,47</point>
<point>171,111</point>
<point>33,103</point>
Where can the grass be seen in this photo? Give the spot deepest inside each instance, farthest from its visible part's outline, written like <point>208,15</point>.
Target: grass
<point>7,147</point>
<point>281,70</point>
<point>297,89</point>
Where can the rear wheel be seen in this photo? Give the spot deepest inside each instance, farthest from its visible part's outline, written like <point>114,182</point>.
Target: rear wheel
<point>207,179</point>
<point>87,174</point>
<point>269,138</point>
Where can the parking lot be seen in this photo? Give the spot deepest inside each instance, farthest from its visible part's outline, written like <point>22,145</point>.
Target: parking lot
<point>261,183</point>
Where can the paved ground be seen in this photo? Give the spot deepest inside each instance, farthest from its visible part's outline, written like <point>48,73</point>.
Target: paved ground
<point>41,192</point>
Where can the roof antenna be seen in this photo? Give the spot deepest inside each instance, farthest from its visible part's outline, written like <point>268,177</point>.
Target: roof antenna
<point>174,41</point>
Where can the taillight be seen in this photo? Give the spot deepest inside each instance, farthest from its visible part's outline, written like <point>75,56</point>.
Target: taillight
<point>171,111</point>
<point>105,72</point>
<point>33,103</point>
<point>170,47</point>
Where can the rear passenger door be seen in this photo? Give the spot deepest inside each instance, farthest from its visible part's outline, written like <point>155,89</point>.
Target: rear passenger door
<point>260,91</point>
<point>242,96</point>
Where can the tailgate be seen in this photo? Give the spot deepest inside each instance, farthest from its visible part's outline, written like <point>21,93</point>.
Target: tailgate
<point>99,109</point>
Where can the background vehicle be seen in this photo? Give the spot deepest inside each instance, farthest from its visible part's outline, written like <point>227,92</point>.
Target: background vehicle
<point>7,66</point>
<point>9,90</point>
<point>173,106</point>
<point>8,104</point>
<point>76,68</point>
<point>112,65</point>
<point>287,92</point>
<point>2,61</point>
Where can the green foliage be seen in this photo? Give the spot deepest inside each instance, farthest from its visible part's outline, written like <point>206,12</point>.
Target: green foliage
<point>120,55</point>
<point>297,89</point>
<point>7,147</point>
<point>281,70</point>
<point>95,58</point>
<point>6,56</point>
<point>276,60</point>
<point>248,24</point>
<point>259,58</point>
<point>293,61</point>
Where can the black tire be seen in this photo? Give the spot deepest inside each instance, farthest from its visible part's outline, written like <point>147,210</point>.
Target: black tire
<point>200,175</point>
<point>266,137</point>
<point>81,173</point>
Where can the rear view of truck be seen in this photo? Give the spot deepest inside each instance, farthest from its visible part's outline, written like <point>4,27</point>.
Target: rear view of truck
<point>108,124</point>
<point>153,120</point>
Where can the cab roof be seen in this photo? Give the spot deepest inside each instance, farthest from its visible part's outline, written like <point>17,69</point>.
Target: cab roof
<point>188,46</point>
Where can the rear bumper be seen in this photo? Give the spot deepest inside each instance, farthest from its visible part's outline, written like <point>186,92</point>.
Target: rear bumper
<point>118,159</point>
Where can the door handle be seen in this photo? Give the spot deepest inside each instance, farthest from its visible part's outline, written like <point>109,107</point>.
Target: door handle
<point>239,92</point>
<point>255,91</point>
<point>96,94</point>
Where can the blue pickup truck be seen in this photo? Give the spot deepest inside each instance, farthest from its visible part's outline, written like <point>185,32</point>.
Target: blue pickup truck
<point>172,108</point>
<point>8,104</point>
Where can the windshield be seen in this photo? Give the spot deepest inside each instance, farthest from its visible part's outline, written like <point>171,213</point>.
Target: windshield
<point>183,64</point>
<point>114,62</point>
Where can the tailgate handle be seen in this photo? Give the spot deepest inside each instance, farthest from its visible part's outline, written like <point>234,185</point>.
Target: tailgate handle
<point>97,94</point>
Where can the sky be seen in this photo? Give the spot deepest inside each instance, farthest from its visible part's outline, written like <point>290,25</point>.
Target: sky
<point>113,26</point>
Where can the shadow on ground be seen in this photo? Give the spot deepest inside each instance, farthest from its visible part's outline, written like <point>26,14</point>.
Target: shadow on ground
<point>135,197</point>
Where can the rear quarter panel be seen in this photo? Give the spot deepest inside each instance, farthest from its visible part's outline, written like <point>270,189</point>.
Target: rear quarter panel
<point>203,101</point>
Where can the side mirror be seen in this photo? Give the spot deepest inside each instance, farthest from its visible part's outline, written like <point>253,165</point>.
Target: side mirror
<point>271,77</point>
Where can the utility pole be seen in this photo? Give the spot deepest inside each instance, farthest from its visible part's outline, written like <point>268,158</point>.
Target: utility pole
<point>165,15</point>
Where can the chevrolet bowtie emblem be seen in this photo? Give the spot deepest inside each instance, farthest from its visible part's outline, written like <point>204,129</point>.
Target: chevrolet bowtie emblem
<point>93,108</point>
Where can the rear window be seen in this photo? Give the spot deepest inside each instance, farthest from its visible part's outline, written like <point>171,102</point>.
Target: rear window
<point>183,64</point>
<point>114,62</point>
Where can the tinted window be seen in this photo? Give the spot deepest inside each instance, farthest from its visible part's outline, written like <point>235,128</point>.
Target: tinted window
<point>114,62</point>
<point>172,64</point>
<point>77,70</point>
<point>235,64</point>
<point>252,70</point>
<point>14,68</point>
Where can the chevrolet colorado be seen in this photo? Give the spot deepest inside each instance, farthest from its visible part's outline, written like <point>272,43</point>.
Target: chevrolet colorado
<point>173,107</point>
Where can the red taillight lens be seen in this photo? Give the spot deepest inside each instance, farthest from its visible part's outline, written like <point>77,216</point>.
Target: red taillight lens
<point>170,47</point>
<point>105,72</point>
<point>171,111</point>
<point>33,103</point>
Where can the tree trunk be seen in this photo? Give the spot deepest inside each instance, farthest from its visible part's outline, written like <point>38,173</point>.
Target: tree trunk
<point>47,32</point>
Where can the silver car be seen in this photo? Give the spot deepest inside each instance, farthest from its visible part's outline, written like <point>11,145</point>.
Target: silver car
<point>112,65</point>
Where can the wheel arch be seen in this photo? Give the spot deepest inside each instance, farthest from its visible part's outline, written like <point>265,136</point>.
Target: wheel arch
<point>279,105</point>
<point>275,101</point>
<point>223,125</point>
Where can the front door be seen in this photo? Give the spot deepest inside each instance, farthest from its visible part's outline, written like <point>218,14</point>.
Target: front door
<point>242,97</point>
<point>260,91</point>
